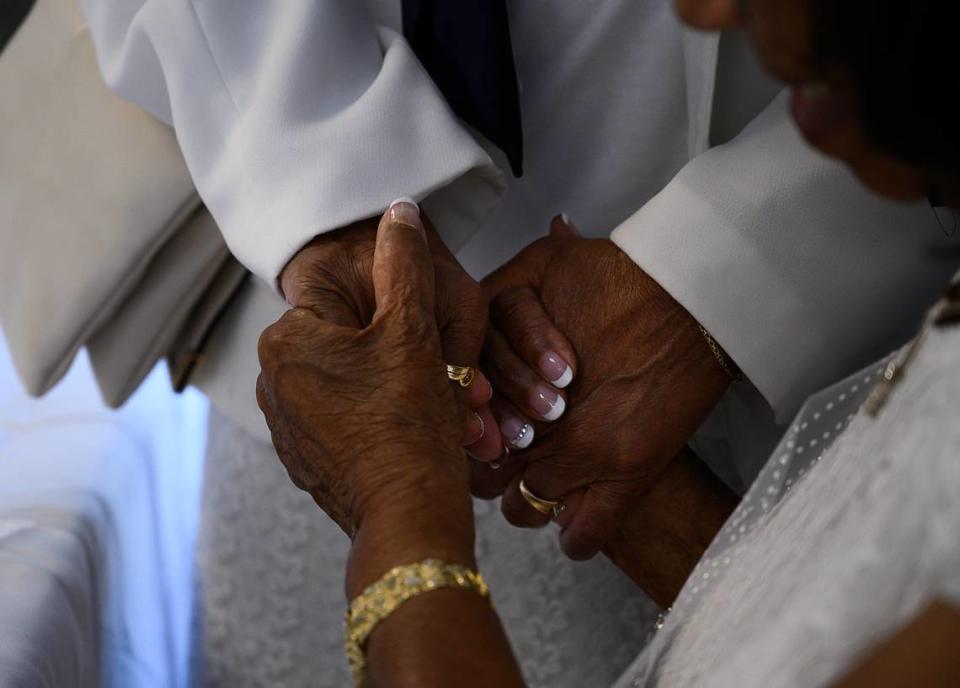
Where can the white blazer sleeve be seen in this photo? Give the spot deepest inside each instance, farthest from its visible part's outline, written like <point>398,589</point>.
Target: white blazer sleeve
<point>294,117</point>
<point>801,274</point>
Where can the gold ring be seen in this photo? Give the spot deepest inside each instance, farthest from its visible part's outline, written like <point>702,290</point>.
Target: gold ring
<point>544,506</point>
<point>464,375</point>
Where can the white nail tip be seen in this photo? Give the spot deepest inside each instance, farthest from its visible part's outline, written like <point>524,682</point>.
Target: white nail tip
<point>564,380</point>
<point>406,199</point>
<point>558,409</point>
<point>524,439</point>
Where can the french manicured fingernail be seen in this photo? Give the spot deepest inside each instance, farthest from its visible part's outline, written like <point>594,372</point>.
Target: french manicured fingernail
<point>556,370</point>
<point>482,380</point>
<point>548,403</point>
<point>405,211</point>
<point>483,427</point>
<point>516,433</point>
<point>566,219</point>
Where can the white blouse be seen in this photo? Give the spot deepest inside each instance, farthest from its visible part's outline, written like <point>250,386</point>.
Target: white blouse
<point>835,547</point>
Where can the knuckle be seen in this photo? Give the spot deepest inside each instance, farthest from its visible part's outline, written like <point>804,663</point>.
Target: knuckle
<point>505,371</point>
<point>512,512</point>
<point>508,305</point>
<point>295,478</point>
<point>263,400</point>
<point>474,311</point>
<point>532,338</point>
<point>270,344</point>
<point>518,513</point>
<point>461,303</point>
<point>484,488</point>
<point>487,483</point>
<point>511,370</point>
<point>293,381</point>
<point>522,318</point>
<point>471,295</point>
<point>591,530</point>
<point>277,339</point>
<point>582,540</point>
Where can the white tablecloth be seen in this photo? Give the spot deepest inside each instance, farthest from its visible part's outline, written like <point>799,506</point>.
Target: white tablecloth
<point>97,521</point>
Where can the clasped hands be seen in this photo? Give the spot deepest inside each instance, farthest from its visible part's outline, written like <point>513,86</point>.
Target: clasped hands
<point>594,378</point>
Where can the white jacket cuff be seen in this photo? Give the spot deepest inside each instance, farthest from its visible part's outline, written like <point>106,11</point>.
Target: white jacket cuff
<point>799,273</point>
<point>398,139</point>
<point>294,118</point>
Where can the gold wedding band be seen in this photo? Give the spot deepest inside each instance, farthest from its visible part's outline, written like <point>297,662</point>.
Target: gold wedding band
<point>463,375</point>
<point>544,506</point>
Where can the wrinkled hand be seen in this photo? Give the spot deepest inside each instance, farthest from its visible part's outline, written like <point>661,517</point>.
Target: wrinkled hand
<point>361,415</point>
<point>331,277</point>
<point>645,381</point>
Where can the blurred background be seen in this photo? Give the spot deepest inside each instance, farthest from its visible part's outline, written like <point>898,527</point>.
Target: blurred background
<point>98,515</point>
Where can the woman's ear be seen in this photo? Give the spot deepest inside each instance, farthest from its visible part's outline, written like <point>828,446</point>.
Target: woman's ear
<point>711,15</point>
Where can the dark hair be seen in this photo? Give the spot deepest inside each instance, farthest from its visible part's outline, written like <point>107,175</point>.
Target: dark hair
<point>899,56</point>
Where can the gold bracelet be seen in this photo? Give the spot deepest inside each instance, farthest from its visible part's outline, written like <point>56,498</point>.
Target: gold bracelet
<point>728,367</point>
<point>400,584</point>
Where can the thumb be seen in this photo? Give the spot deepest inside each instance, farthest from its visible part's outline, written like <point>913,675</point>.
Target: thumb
<point>403,278</point>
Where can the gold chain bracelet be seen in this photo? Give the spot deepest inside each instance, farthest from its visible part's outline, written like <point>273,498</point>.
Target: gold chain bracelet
<point>728,367</point>
<point>399,584</point>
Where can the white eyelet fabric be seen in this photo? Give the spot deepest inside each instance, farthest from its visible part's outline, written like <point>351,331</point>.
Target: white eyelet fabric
<point>271,599</point>
<point>848,533</point>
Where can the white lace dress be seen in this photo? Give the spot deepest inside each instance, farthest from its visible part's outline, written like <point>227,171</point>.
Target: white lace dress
<point>832,549</point>
<point>271,599</point>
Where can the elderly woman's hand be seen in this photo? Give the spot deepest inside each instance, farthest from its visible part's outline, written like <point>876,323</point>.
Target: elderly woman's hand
<point>645,380</point>
<point>331,277</point>
<point>363,418</point>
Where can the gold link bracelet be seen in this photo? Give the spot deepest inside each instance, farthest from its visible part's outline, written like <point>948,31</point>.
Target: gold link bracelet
<point>399,584</point>
<point>728,367</point>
